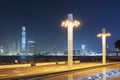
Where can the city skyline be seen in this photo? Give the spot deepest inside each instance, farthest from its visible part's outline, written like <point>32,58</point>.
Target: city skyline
<point>43,22</point>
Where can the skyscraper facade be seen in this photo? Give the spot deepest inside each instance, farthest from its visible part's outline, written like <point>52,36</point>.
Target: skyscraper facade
<point>18,46</point>
<point>23,41</point>
<point>31,47</point>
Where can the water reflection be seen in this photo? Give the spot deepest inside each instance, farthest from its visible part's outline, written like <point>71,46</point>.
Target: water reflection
<point>101,73</point>
<point>104,73</point>
<point>70,77</point>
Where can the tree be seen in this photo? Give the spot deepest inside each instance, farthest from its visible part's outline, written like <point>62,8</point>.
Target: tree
<point>117,44</point>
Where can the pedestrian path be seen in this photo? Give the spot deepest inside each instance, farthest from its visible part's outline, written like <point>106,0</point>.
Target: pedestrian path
<point>18,72</point>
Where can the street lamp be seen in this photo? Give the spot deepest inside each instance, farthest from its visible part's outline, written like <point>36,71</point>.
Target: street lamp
<point>103,35</point>
<point>70,23</point>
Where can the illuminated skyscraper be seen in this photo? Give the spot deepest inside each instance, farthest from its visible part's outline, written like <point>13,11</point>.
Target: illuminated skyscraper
<point>14,47</point>
<point>18,46</point>
<point>1,51</point>
<point>23,41</point>
<point>83,49</point>
<point>31,47</point>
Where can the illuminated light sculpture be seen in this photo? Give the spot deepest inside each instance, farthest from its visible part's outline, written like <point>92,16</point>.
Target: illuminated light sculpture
<point>70,23</point>
<point>103,35</point>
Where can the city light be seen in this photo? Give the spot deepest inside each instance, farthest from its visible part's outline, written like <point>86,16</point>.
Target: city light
<point>103,35</point>
<point>70,24</point>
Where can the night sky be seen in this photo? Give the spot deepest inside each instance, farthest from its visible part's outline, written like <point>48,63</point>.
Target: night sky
<point>43,18</point>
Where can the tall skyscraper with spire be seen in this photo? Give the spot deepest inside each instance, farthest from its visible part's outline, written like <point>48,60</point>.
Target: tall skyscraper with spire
<point>23,41</point>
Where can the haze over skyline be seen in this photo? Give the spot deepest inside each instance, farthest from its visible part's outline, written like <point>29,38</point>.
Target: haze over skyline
<point>43,18</point>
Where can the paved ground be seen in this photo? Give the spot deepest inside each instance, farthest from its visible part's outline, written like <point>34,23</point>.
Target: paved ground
<point>84,74</point>
<point>10,73</point>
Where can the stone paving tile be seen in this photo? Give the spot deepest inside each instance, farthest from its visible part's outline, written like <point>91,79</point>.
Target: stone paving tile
<point>2,75</point>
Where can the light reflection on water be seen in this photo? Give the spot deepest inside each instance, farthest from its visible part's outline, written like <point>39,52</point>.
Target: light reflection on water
<point>103,77</point>
<point>105,74</point>
<point>101,73</point>
<point>70,77</point>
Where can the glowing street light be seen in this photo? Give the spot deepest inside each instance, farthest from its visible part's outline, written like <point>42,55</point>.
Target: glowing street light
<point>69,23</point>
<point>103,35</point>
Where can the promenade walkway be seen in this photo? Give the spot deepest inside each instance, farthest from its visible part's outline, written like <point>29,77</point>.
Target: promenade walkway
<point>25,70</point>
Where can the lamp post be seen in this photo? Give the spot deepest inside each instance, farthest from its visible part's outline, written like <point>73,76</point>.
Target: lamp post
<point>70,23</point>
<point>103,35</point>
